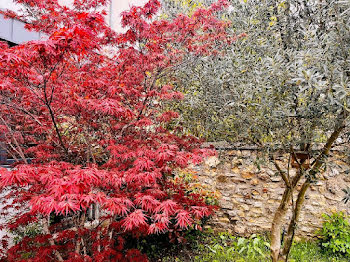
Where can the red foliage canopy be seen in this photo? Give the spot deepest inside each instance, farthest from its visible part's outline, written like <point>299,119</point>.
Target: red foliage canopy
<point>86,105</point>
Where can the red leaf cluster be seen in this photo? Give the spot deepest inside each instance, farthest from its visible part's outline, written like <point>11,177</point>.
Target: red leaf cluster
<point>86,106</point>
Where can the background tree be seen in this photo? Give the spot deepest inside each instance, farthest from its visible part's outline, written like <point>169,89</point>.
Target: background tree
<point>86,105</point>
<point>283,88</point>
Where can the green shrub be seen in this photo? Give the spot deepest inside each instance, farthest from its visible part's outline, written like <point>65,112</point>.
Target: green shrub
<point>311,251</point>
<point>335,234</point>
<point>208,246</point>
<point>31,231</point>
<point>230,248</point>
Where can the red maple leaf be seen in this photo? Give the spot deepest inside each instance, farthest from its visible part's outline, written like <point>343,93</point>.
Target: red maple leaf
<point>82,111</point>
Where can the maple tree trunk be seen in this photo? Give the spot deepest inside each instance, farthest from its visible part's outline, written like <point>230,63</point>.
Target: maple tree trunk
<point>80,240</point>
<point>97,218</point>
<point>57,130</point>
<point>51,241</point>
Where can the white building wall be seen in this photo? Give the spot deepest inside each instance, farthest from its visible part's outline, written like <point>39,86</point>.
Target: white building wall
<point>8,4</point>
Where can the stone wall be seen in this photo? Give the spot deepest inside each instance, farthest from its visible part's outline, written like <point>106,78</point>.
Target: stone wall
<point>251,191</point>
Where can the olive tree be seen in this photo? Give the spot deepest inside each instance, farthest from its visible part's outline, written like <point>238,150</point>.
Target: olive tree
<point>284,87</point>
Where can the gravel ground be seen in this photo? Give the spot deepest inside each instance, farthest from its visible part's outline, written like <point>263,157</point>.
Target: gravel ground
<point>3,219</point>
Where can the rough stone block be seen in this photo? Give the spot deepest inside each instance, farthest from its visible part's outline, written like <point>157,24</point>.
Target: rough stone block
<point>250,196</point>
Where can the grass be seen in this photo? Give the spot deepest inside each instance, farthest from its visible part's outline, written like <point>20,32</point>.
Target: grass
<point>311,251</point>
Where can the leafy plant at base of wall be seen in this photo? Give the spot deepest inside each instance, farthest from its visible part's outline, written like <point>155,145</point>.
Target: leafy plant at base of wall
<point>253,246</point>
<point>335,234</point>
<point>227,247</point>
<point>311,251</point>
<point>207,246</point>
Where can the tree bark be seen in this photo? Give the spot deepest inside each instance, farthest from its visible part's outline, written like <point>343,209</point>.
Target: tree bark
<point>276,227</point>
<point>80,239</point>
<point>280,213</point>
<point>277,224</point>
<point>51,241</point>
<point>292,225</point>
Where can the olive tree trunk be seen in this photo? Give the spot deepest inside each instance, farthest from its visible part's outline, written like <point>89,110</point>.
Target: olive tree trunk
<point>276,253</point>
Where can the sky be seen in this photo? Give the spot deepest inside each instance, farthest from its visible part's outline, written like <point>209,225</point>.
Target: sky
<point>7,4</point>
<point>119,6</point>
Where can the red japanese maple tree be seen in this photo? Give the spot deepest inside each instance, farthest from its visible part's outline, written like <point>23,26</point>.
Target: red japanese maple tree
<point>86,106</point>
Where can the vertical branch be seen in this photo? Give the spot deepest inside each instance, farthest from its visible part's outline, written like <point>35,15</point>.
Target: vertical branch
<point>97,219</point>
<point>278,222</point>
<point>18,149</point>
<point>294,220</point>
<point>282,173</point>
<point>48,102</point>
<point>56,128</point>
<point>281,212</point>
<point>80,239</point>
<point>84,246</point>
<point>318,162</point>
<point>51,241</point>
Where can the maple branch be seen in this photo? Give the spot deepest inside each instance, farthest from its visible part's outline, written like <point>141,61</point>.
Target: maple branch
<point>30,87</point>
<point>51,241</point>
<point>59,75</point>
<point>20,152</point>
<point>80,240</point>
<point>147,96</point>
<point>12,154</point>
<point>56,128</point>
<point>21,109</point>
<point>53,120</point>
<point>84,246</point>
<point>49,76</point>
<point>14,149</point>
